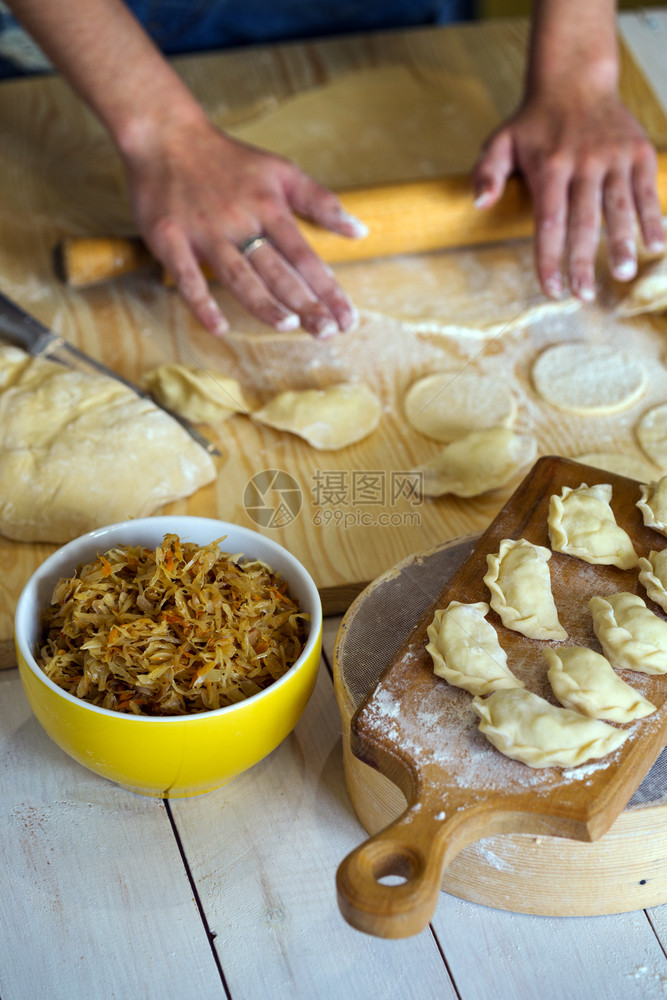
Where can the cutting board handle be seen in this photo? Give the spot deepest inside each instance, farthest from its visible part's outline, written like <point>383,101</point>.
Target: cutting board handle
<point>415,850</point>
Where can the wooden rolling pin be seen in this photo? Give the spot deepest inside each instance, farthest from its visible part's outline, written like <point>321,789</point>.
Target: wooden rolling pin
<point>411,217</point>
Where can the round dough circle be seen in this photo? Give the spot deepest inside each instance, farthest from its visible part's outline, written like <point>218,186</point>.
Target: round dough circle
<point>447,406</point>
<point>588,378</point>
<point>652,434</point>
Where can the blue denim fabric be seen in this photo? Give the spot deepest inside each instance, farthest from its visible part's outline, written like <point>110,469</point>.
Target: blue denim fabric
<point>180,26</point>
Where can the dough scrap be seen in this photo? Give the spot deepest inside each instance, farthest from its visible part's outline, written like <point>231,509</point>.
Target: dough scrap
<point>465,650</point>
<point>78,451</point>
<point>589,379</point>
<point>327,418</point>
<point>478,463</point>
<point>528,728</point>
<point>653,576</point>
<point>653,505</point>
<point>648,292</point>
<point>651,431</point>
<point>584,681</point>
<point>446,406</point>
<point>631,636</point>
<point>631,466</point>
<point>582,524</point>
<point>194,393</point>
<point>519,581</point>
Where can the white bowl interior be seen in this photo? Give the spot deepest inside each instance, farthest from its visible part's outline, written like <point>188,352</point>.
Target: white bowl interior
<point>150,531</point>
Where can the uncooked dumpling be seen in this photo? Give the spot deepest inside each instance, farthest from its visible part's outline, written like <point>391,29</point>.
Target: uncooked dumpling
<point>327,418</point>
<point>587,378</point>
<point>653,505</point>
<point>582,524</point>
<point>479,462</point>
<point>653,576</point>
<point>196,394</point>
<point>648,292</point>
<point>528,728</point>
<point>584,681</point>
<point>446,406</point>
<point>651,433</point>
<point>465,650</point>
<point>520,584</point>
<point>78,451</point>
<point>631,636</point>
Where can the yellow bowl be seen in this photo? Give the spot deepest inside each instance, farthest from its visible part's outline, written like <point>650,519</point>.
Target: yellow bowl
<point>168,756</point>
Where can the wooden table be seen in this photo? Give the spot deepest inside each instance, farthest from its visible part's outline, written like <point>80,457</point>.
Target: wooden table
<point>108,895</point>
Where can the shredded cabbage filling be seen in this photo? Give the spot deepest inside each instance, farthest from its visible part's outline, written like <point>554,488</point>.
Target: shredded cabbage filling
<point>171,631</point>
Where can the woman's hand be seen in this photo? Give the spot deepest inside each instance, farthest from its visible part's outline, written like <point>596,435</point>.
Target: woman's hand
<point>199,195</point>
<point>582,162</point>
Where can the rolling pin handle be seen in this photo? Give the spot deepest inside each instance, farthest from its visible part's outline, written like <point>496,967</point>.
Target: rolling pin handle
<point>412,853</point>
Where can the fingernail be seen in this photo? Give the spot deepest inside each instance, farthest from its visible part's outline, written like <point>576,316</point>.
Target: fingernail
<point>656,246</point>
<point>353,320</point>
<point>359,228</point>
<point>624,269</point>
<point>483,199</point>
<point>554,286</point>
<point>289,322</point>
<point>585,292</point>
<point>326,329</point>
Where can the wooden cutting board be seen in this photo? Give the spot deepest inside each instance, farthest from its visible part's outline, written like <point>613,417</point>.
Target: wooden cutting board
<point>420,732</point>
<point>59,175</point>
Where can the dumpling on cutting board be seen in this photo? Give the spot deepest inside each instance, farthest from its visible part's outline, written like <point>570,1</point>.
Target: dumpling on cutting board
<point>78,451</point>
<point>528,728</point>
<point>653,576</point>
<point>582,524</point>
<point>519,581</point>
<point>653,504</point>
<point>584,681</point>
<point>465,650</point>
<point>631,636</point>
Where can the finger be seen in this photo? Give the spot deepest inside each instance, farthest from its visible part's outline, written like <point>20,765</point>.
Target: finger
<point>290,289</point>
<point>648,203</point>
<point>312,201</point>
<point>584,234</point>
<point>173,250</point>
<point>619,213</point>
<point>317,275</point>
<point>549,192</point>
<point>237,274</point>
<point>494,166</point>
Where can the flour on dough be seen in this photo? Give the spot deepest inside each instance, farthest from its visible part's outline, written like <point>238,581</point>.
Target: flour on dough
<point>631,636</point>
<point>528,728</point>
<point>198,395</point>
<point>582,524</point>
<point>78,451</point>
<point>584,681</point>
<point>478,463</point>
<point>446,406</point>
<point>653,576</point>
<point>651,433</point>
<point>590,379</point>
<point>465,650</point>
<point>621,464</point>
<point>519,581</point>
<point>327,418</point>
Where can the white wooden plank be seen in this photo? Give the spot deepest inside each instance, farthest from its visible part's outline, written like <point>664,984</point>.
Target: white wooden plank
<point>264,861</point>
<point>509,955</point>
<point>645,33</point>
<point>95,902</point>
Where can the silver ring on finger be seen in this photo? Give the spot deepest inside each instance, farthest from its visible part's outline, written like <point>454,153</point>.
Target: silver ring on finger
<point>252,243</point>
